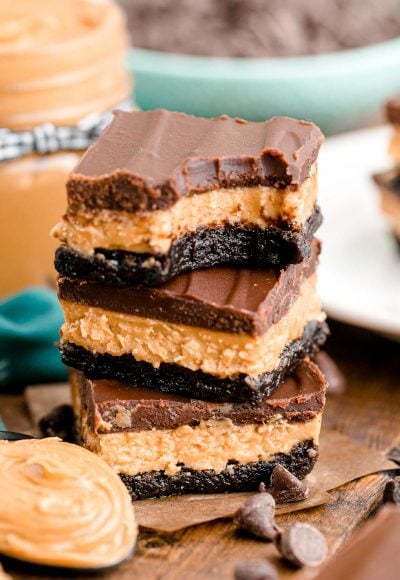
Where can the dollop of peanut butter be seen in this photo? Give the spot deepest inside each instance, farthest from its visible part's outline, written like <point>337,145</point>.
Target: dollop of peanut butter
<point>61,505</point>
<point>60,60</point>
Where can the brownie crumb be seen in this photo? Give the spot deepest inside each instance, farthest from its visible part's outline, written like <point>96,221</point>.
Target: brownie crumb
<point>255,570</point>
<point>60,422</point>
<point>286,487</point>
<point>391,493</point>
<point>302,545</point>
<point>257,516</point>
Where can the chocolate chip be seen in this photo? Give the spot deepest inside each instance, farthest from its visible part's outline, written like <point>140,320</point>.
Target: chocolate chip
<point>332,373</point>
<point>255,570</point>
<point>60,422</point>
<point>391,493</point>
<point>257,516</point>
<point>394,454</point>
<point>286,487</point>
<point>302,545</point>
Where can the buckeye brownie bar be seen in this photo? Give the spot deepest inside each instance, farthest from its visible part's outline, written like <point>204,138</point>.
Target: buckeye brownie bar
<point>161,193</point>
<point>164,444</point>
<point>221,333</point>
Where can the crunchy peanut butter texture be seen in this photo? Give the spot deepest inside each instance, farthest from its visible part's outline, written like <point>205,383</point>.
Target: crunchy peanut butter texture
<point>60,60</point>
<point>154,232</point>
<point>62,506</point>
<point>210,445</point>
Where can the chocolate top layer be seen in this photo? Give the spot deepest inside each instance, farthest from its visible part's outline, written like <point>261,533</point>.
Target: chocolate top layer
<point>148,160</point>
<point>225,299</point>
<point>393,110</point>
<point>372,553</point>
<point>115,406</point>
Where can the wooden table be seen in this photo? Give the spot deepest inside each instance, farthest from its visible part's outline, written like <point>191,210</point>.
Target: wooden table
<point>368,411</point>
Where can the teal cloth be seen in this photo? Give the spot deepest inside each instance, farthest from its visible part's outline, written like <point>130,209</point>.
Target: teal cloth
<point>29,327</point>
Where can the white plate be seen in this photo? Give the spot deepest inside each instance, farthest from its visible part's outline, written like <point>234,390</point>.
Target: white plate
<point>359,276</point>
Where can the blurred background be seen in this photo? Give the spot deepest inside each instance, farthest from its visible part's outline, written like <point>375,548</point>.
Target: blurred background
<point>331,61</point>
<point>65,65</point>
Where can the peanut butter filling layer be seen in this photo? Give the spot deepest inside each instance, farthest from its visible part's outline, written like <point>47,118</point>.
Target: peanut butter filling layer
<point>218,353</point>
<point>154,232</point>
<point>209,445</point>
<point>390,205</point>
<point>64,506</point>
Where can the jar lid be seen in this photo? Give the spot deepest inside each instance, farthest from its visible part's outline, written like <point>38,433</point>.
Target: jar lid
<point>60,60</point>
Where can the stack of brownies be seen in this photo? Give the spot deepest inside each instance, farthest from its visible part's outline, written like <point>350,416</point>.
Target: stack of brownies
<point>389,181</point>
<point>188,285</point>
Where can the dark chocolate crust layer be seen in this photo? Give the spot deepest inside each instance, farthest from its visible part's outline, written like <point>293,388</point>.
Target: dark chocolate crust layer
<point>171,378</point>
<point>224,299</point>
<point>113,406</point>
<point>237,477</point>
<point>250,246</point>
<point>148,160</point>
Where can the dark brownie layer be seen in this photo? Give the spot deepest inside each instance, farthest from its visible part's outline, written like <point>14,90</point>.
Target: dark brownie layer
<point>237,477</point>
<point>171,378</point>
<point>113,406</point>
<point>250,246</point>
<point>145,161</point>
<point>222,298</point>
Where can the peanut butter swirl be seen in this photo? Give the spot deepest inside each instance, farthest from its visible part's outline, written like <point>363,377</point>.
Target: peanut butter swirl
<point>61,505</point>
<point>60,60</point>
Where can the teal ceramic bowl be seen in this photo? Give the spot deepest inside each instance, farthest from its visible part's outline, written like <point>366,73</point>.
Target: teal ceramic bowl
<point>338,91</point>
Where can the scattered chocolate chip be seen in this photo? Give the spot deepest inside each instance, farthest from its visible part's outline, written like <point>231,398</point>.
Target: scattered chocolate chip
<point>302,545</point>
<point>257,516</point>
<point>332,373</point>
<point>391,493</point>
<point>59,423</point>
<point>394,454</point>
<point>286,487</point>
<point>255,570</point>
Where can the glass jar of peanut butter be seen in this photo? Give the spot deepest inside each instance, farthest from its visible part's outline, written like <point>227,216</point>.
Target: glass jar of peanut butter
<point>62,73</point>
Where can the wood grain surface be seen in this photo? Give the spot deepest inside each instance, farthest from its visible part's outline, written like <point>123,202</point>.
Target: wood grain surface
<point>369,411</point>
